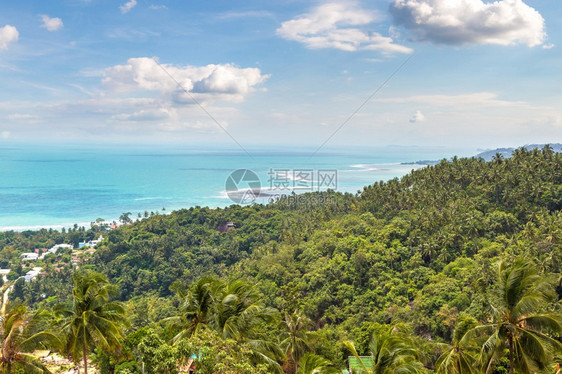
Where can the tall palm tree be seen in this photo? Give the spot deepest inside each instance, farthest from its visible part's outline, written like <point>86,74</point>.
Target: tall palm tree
<point>460,357</point>
<point>239,311</point>
<point>196,308</point>
<point>94,320</point>
<point>520,324</point>
<point>295,337</point>
<point>21,332</point>
<point>233,309</point>
<point>391,351</point>
<point>239,314</point>
<point>314,364</point>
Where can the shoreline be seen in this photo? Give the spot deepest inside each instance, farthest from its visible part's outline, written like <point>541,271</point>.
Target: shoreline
<point>87,225</point>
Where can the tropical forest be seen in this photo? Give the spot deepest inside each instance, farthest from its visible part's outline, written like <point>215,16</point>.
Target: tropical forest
<point>454,268</point>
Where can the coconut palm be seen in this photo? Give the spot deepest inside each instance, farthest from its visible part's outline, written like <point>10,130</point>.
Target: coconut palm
<point>21,332</point>
<point>239,314</point>
<point>520,324</point>
<point>233,310</point>
<point>196,308</point>
<point>314,364</point>
<point>239,311</point>
<point>391,351</point>
<point>94,320</point>
<point>461,355</point>
<point>295,337</point>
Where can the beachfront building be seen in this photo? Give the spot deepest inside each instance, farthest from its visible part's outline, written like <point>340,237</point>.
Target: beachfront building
<point>91,243</point>
<point>29,256</point>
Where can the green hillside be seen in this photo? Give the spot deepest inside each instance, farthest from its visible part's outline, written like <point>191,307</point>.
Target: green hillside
<point>421,254</point>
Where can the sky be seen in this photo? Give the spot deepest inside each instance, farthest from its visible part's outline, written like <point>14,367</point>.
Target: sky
<point>461,73</point>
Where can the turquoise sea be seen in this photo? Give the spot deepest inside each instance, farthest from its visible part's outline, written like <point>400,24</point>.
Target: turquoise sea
<point>58,186</point>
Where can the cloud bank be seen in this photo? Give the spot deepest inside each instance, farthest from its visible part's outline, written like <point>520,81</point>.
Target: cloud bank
<point>458,22</point>
<point>340,26</point>
<point>207,83</point>
<point>8,34</point>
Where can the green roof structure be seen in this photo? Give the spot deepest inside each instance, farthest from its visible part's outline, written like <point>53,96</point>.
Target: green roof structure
<point>355,366</point>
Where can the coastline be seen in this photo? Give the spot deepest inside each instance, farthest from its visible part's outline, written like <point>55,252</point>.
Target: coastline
<point>42,190</point>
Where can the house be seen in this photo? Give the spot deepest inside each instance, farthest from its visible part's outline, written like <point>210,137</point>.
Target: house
<point>91,243</point>
<point>29,256</point>
<point>227,226</point>
<point>55,248</point>
<point>32,274</point>
<point>4,273</point>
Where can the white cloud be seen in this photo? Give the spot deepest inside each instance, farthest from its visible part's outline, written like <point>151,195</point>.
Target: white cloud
<point>340,26</point>
<point>548,46</point>
<point>246,14</point>
<point>51,24</point>
<point>156,114</point>
<point>125,8</point>
<point>157,7</point>
<point>457,22</point>
<point>485,99</point>
<point>8,34</point>
<point>5,134</point>
<point>18,117</point>
<point>417,117</point>
<point>207,83</point>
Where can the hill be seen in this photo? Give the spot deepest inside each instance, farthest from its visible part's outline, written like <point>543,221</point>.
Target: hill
<point>507,152</point>
<point>420,251</point>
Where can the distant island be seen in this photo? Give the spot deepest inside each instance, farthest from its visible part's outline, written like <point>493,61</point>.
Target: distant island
<point>489,154</point>
<point>507,152</point>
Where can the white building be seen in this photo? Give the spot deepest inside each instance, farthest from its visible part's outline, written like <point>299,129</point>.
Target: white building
<point>32,274</point>
<point>29,256</point>
<point>91,243</point>
<point>4,273</point>
<point>55,248</point>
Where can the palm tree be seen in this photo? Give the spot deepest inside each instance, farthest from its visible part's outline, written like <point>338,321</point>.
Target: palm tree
<point>239,314</point>
<point>238,310</point>
<point>295,337</point>
<point>460,357</point>
<point>21,333</point>
<point>233,310</point>
<point>314,364</point>
<point>391,351</point>
<point>519,325</point>
<point>196,308</point>
<point>94,319</point>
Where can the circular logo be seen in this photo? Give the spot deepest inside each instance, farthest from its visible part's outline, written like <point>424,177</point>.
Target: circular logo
<point>243,186</point>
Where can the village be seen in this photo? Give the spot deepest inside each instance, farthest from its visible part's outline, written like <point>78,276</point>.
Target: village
<point>54,361</point>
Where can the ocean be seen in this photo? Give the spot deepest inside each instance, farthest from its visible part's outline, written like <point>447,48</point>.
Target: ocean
<point>59,186</point>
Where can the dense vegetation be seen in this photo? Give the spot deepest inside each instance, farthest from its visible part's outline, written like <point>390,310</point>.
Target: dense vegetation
<point>456,265</point>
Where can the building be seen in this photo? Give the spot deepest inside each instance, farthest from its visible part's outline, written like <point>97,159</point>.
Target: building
<point>91,243</point>
<point>227,226</point>
<point>4,273</point>
<point>354,366</point>
<point>29,256</point>
<point>32,274</point>
<point>55,248</point>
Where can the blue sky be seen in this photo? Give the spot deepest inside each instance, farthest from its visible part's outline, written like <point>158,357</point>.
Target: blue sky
<point>477,73</point>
